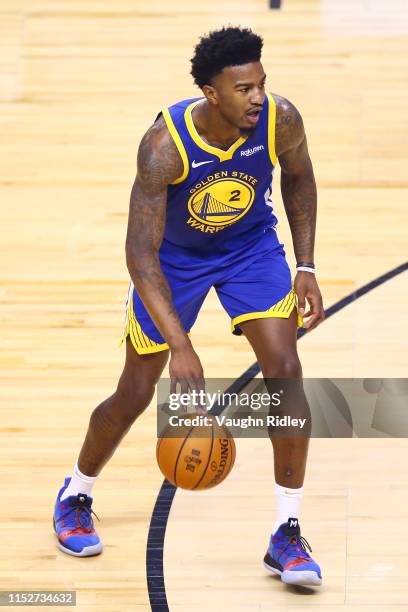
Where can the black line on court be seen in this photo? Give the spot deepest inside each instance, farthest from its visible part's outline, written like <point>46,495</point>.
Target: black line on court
<point>158,522</point>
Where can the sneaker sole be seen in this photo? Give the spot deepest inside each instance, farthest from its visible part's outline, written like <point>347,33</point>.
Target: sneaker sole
<point>300,578</point>
<point>88,551</point>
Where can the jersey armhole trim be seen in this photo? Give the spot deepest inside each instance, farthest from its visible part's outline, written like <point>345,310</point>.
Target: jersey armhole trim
<point>179,144</point>
<point>272,129</point>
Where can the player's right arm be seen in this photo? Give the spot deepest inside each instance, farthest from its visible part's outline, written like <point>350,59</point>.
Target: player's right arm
<point>158,164</point>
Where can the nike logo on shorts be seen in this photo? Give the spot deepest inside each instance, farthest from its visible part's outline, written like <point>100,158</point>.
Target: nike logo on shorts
<point>196,164</point>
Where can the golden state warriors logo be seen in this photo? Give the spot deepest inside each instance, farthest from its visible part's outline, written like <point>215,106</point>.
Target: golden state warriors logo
<point>216,203</point>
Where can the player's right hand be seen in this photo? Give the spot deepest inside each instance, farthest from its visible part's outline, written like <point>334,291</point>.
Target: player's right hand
<point>185,370</point>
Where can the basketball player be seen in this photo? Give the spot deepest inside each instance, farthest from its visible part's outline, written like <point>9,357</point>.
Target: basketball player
<point>201,216</point>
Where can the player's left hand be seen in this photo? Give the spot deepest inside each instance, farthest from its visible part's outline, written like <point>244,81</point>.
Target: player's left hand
<point>306,289</point>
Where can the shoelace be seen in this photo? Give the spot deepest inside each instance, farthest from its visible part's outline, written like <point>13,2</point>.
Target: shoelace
<point>303,543</point>
<point>83,515</point>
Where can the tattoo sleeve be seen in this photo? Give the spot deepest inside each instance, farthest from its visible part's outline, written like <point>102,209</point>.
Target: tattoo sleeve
<point>298,184</point>
<point>158,164</point>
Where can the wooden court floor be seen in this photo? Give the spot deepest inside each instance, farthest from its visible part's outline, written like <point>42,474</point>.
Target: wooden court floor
<point>79,83</point>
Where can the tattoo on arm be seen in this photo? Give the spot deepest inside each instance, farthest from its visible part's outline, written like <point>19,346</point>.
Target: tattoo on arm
<point>158,164</point>
<point>298,184</point>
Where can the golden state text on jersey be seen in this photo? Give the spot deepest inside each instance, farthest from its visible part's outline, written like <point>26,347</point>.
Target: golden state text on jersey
<point>223,198</point>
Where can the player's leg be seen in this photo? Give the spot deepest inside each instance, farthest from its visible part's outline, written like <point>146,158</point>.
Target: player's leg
<point>109,422</point>
<point>112,419</point>
<point>274,343</point>
<point>146,356</point>
<point>262,304</point>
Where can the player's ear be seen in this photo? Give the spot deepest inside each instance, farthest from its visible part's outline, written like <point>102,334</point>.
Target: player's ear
<point>211,94</point>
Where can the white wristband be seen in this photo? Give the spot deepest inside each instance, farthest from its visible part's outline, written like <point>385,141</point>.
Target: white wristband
<point>305,269</point>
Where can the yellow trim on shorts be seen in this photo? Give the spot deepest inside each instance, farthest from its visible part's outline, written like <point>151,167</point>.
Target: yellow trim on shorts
<point>272,128</point>
<point>179,144</point>
<point>142,344</point>
<point>281,310</point>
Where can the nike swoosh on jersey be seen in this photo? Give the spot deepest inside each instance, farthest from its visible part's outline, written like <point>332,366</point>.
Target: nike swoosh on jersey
<point>196,164</point>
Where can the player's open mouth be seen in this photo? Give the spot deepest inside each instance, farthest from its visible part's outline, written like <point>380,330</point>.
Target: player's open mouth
<point>253,116</point>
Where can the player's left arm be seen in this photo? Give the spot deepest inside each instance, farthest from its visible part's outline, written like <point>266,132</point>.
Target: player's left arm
<point>299,195</point>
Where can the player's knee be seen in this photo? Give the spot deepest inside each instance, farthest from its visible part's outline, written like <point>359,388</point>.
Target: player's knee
<point>133,397</point>
<point>284,367</point>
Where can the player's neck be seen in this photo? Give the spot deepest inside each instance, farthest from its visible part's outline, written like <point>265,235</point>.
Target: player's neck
<point>213,127</point>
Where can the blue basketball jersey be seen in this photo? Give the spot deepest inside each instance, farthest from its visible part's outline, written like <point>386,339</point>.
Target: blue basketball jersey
<point>222,201</point>
<point>219,232</point>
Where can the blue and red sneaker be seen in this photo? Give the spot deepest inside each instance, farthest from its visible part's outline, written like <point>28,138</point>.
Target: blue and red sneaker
<point>288,557</point>
<point>73,525</point>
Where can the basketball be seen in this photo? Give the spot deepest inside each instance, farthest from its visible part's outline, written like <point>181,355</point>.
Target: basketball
<point>200,459</point>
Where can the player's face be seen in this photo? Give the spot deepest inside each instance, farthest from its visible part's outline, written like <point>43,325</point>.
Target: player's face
<point>239,93</point>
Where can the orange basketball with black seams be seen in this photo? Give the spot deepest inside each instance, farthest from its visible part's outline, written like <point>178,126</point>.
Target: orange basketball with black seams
<point>200,459</point>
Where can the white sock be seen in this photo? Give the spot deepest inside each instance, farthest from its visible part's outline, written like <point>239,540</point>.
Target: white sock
<point>80,483</point>
<point>287,504</point>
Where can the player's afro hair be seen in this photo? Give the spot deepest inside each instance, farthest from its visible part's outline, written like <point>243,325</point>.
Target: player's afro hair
<point>230,46</point>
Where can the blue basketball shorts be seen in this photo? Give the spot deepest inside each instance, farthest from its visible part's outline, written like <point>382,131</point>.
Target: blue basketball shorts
<point>251,286</point>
